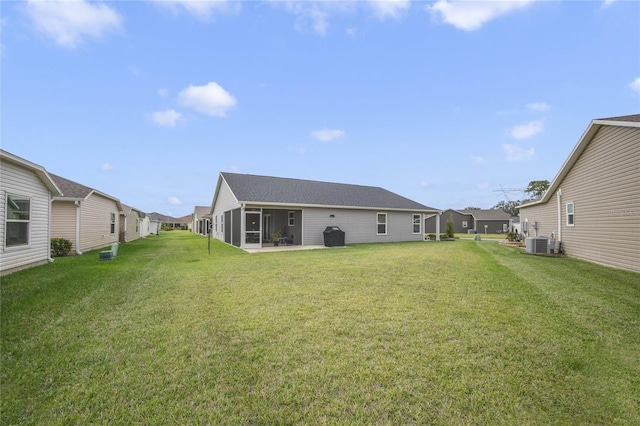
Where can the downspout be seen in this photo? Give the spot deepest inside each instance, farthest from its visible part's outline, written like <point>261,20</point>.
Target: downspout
<point>50,259</point>
<point>559,215</point>
<point>77,203</point>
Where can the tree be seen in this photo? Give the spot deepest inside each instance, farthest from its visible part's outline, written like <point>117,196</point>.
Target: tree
<point>472,208</point>
<point>449,228</point>
<point>537,188</point>
<point>508,206</point>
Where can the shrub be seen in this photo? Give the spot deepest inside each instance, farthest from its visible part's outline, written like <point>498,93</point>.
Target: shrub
<point>60,247</point>
<point>449,227</point>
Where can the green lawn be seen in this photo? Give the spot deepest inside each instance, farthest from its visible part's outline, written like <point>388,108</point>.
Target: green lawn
<point>445,333</point>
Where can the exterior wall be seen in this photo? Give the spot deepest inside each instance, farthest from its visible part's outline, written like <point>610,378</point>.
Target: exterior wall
<point>224,202</point>
<point>493,226</point>
<point>541,219</point>
<point>63,221</point>
<point>458,218</point>
<point>604,185</point>
<point>145,227</point>
<point>95,222</point>
<point>17,180</point>
<point>130,222</point>
<point>359,226</point>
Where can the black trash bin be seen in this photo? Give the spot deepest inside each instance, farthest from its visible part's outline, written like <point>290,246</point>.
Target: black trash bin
<point>333,237</point>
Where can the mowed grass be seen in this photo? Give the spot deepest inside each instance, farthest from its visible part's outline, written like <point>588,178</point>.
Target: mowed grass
<point>445,333</point>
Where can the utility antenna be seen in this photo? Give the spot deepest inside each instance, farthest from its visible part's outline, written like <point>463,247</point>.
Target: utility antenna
<point>508,191</point>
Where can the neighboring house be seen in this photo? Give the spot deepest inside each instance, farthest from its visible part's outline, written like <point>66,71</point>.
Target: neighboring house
<point>201,219</point>
<point>155,224</point>
<point>88,218</point>
<point>25,207</point>
<point>145,226</point>
<point>492,221</point>
<point>170,222</point>
<point>130,224</point>
<point>247,210</point>
<point>592,207</point>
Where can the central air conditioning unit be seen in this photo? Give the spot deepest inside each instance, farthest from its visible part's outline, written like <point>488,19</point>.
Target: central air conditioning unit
<point>537,245</point>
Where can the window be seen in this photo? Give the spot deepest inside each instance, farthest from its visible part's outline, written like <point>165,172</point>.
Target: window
<point>18,221</point>
<point>113,223</point>
<point>292,218</point>
<point>382,224</point>
<point>465,224</point>
<point>417,218</point>
<point>570,214</point>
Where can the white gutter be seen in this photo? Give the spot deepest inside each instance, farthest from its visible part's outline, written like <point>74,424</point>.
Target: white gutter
<point>559,214</point>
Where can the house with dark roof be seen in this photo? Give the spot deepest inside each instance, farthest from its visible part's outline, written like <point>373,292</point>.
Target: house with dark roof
<point>90,219</point>
<point>250,211</point>
<point>592,206</point>
<point>201,219</point>
<point>169,221</point>
<point>131,224</point>
<point>475,221</point>
<point>25,209</point>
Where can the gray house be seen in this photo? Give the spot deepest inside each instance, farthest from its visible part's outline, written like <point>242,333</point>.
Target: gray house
<point>592,206</point>
<point>251,211</point>
<point>491,221</point>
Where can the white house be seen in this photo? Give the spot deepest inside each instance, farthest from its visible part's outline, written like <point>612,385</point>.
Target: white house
<point>25,207</point>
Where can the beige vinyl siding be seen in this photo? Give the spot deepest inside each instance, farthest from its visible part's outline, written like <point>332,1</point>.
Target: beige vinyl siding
<point>545,214</point>
<point>95,222</point>
<point>131,219</point>
<point>604,185</point>
<point>63,221</point>
<point>20,181</point>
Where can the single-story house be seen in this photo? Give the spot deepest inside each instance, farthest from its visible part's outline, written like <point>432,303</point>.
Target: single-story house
<point>88,218</point>
<point>25,208</point>
<point>483,221</point>
<point>201,219</point>
<point>130,224</point>
<point>145,226</point>
<point>592,206</point>
<point>170,222</point>
<point>250,211</point>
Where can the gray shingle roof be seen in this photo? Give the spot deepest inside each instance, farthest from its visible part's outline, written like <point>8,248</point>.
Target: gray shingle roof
<point>276,190</point>
<point>635,118</point>
<point>71,189</point>
<point>492,214</point>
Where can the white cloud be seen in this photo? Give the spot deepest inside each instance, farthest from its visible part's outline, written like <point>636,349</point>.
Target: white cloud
<point>327,135</point>
<point>635,85</point>
<point>167,118</point>
<point>607,3</point>
<point>383,9</point>
<point>351,32</point>
<point>425,184</point>
<point>472,15</point>
<point>538,106</point>
<point>200,9</point>
<point>163,93</point>
<point>313,16</point>
<point>483,185</point>
<point>479,159</point>
<point>210,99</point>
<point>106,167</point>
<point>526,130</point>
<point>174,201</point>
<point>68,23</point>
<point>517,153</point>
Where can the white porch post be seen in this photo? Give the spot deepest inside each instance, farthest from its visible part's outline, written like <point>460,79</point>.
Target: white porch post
<point>438,226</point>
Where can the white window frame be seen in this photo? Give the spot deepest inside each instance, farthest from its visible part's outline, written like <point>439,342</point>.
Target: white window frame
<point>292,218</point>
<point>11,220</point>
<point>417,220</point>
<point>378,223</point>
<point>465,223</point>
<point>571,217</point>
<point>112,223</point>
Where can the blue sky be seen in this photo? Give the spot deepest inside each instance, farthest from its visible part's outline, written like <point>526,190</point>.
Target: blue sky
<point>444,102</point>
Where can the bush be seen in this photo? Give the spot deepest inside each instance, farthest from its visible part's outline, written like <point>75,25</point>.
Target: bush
<point>60,247</point>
